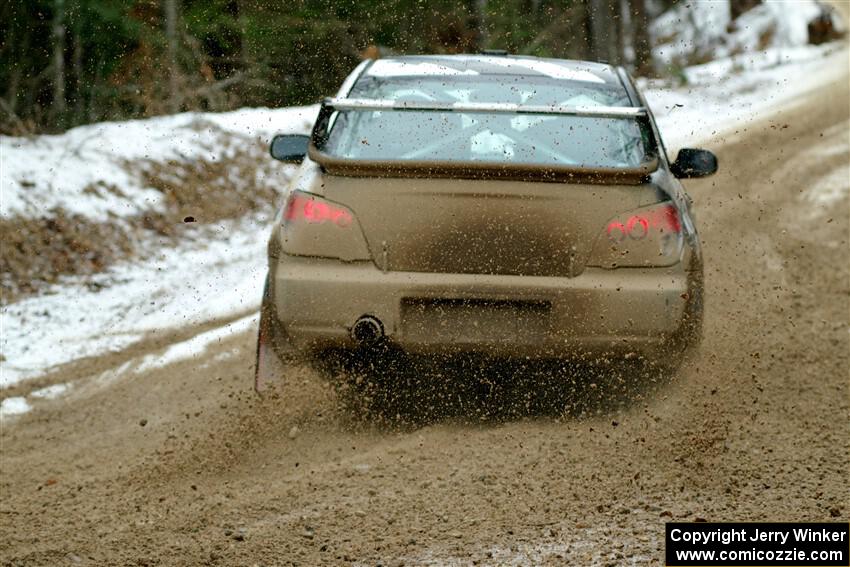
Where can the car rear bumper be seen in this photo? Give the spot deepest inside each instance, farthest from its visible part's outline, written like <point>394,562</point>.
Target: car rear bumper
<point>638,310</point>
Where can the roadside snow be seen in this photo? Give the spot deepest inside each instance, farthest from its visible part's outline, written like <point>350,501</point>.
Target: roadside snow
<point>728,94</point>
<point>687,29</point>
<point>704,29</point>
<point>82,170</point>
<point>193,283</point>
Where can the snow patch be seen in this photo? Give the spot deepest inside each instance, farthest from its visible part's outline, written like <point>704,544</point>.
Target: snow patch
<point>197,344</point>
<point>14,406</point>
<point>688,28</point>
<point>829,189</point>
<point>52,392</point>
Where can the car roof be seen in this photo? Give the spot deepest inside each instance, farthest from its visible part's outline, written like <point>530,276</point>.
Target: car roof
<point>601,74</point>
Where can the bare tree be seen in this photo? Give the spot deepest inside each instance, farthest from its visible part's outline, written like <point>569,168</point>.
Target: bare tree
<point>171,39</point>
<point>481,17</point>
<point>58,31</point>
<point>603,30</point>
<point>77,62</point>
<point>640,37</point>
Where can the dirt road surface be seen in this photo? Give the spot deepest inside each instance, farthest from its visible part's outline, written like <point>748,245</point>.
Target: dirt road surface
<point>185,465</point>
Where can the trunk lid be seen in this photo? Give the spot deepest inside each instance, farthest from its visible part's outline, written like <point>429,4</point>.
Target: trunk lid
<point>482,226</point>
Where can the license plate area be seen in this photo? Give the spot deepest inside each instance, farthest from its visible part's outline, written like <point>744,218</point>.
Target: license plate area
<point>474,320</point>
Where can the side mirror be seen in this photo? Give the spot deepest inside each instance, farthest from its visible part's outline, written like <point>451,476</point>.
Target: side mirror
<point>289,148</point>
<point>694,163</point>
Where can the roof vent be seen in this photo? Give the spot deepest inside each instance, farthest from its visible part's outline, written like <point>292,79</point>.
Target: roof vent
<point>501,52</point>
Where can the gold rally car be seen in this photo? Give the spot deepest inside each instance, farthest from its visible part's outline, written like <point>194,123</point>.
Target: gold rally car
<point>516,206</point>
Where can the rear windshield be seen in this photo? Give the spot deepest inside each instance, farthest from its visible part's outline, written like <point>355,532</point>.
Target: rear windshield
<point>510,138</point>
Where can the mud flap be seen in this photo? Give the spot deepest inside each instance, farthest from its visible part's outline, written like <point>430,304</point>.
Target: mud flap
<point>269,367</point>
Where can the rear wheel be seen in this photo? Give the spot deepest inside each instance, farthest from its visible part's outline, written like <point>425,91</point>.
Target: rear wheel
<point>689,334</point>
<point>273,346</point>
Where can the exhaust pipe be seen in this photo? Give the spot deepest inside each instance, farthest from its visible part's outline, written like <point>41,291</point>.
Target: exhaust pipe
<point>367,330</point>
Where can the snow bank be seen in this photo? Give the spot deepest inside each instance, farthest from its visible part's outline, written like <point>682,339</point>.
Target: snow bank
<point>64,171</point>
<point>703,30</point>
<point>193,283</point>
<point>729,93</point>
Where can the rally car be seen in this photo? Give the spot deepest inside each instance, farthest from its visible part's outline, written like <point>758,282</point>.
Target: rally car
<point>516,206</point>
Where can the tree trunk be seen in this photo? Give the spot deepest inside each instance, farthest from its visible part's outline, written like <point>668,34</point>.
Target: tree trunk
<point>617,48</point>
<point>602,30</point>
<point>640,37</point>
<point>15,74</point>
<point>481,17</point>
<point>171,39</point>
<point>58,60</point>
<point>77,59</point>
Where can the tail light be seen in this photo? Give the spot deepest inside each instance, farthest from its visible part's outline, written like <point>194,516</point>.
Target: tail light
<point>651,236</point>
<point>313,226</point>
<point>309,208</point>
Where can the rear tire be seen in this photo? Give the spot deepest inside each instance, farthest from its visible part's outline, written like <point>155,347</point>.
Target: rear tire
<point>274,349</point>
<point>688,336</point>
